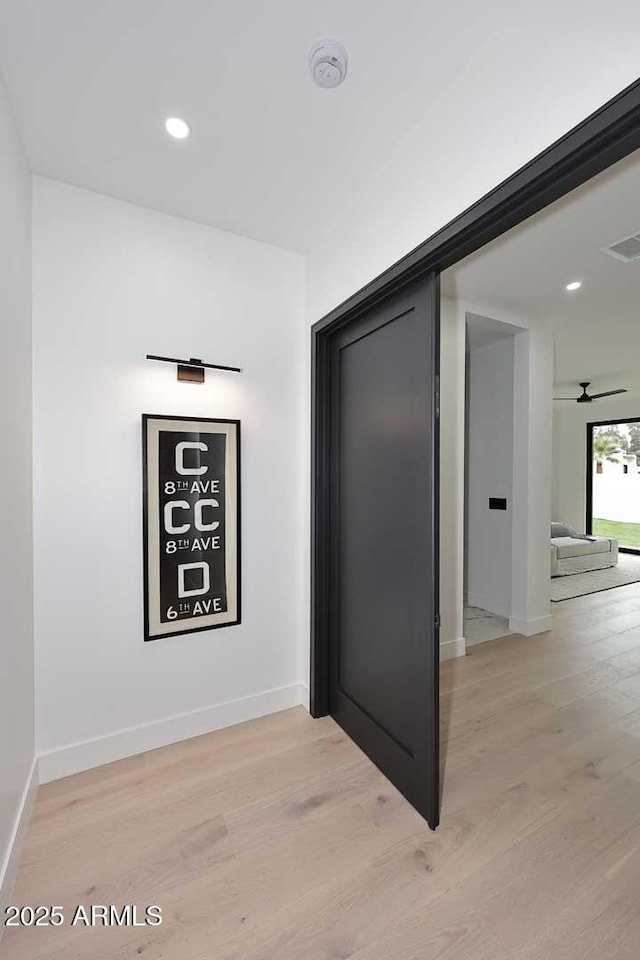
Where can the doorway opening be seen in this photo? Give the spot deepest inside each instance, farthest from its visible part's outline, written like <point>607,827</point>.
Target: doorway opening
<point>595,145</point>
<point>613,482</point>
<point>490,361</point>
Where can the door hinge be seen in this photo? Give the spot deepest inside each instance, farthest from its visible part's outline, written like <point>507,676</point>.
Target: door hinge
<point>437,621</point>
<point>437,396</point>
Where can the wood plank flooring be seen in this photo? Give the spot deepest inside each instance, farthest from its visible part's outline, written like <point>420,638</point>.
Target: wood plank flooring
<point>279,840</point>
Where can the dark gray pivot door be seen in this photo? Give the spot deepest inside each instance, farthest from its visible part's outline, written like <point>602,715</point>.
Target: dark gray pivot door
<point>383,663</point>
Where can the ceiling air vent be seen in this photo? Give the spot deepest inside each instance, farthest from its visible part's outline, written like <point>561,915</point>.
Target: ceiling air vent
<point>625,250</point>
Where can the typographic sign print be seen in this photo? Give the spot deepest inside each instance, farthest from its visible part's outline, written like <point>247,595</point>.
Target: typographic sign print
<point>192,524</point>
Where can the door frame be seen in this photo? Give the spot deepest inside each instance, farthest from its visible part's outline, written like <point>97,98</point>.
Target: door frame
<point>608,135</point>
<point>589,491</point>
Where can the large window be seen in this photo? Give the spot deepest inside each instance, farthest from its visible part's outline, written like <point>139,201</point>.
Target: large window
<point>613,481</point>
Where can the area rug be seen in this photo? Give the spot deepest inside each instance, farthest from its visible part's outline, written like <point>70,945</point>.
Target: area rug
<point>580,584</point>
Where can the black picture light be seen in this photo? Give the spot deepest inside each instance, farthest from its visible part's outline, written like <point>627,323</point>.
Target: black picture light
<point>192,370</point>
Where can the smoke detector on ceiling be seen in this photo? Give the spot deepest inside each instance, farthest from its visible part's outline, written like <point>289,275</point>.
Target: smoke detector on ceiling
<point>328,63</point>
<point>626,250</point>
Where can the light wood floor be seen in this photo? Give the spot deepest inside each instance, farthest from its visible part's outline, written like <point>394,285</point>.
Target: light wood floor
<point>278,839</point>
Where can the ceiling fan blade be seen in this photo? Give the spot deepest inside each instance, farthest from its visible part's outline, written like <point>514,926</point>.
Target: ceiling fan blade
<point>607,393</point>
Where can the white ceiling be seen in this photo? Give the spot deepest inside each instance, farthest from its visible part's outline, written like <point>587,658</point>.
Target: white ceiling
<point>524,273</point>
<point>271,156</point>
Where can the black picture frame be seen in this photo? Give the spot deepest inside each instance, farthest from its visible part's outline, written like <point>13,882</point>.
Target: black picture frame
<point>153,575</point>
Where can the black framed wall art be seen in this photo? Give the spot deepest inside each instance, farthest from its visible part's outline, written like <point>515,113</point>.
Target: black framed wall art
<point>191,516</point>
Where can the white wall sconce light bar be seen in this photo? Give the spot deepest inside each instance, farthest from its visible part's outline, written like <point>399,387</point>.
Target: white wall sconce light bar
<point>192,370</point>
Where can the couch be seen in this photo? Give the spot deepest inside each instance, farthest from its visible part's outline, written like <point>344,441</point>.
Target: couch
<point>574,553</point>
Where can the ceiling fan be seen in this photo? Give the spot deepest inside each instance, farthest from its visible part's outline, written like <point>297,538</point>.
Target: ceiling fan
<point>590,397</point>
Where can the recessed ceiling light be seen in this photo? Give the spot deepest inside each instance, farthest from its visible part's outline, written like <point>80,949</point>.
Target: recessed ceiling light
<point>177,128</point>
<point>574,285</point>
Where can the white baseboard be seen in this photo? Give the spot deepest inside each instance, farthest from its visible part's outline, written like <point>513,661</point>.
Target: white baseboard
<point>449,649</point>
<point>529,628</point>
<point>9,870</point>
<point>54,764</point>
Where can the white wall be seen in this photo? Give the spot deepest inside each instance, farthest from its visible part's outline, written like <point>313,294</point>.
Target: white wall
<point>112,282</point>
<point>616,497</point>
<point>16,635</point>
<point>490,474</point>
<point>532,470</point>
<point>570,452</point>
<point>452,441</point>
<point>532,379</point>
<point>533,354</point>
